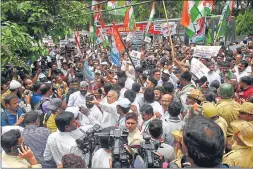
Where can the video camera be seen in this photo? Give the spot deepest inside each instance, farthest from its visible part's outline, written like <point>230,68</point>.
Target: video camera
<point>147,66</point>
<point>147,152</point>
<point>87,143</point>
<point>117,138</point>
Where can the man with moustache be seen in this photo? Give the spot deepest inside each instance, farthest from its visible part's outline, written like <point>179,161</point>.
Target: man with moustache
<point>246,87</point>
<point>166,100</point>
<point>78,98</point>
<point>242,70</point>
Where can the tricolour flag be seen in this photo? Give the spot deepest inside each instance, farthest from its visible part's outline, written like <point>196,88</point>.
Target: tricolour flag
<point>112,4</point>
<point>114,55</point>
<point>129,20</point>
<point>94,4</point>
<point>190,14</point>
<point>151,18</point>
<point>117,38</point>
<point>225,17</point>
<point>77,40</point>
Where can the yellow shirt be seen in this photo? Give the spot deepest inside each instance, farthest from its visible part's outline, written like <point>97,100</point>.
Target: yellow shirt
<point>134,137</point>
<point>241,156</point>
<point>50,123</point>
<point>223,125</point>
<point>229,110</point>
<point>17,162</point>
<point>8,92</point>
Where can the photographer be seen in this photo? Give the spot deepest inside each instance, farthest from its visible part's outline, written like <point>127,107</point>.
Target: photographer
<point>103,156</point>
<point>156,132</point>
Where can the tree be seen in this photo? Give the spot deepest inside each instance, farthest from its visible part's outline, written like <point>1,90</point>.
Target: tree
<point>244,22</point>
<point>25,23</point>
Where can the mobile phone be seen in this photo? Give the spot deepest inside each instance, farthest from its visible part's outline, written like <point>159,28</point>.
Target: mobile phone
<point>16,147</point>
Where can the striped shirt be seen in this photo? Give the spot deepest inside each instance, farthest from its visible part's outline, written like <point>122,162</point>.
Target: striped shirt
<point>36,138</point>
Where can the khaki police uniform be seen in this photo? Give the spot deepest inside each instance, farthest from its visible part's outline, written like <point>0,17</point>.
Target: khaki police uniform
<point>241,155</point>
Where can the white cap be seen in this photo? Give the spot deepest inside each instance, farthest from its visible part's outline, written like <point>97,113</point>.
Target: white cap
<point>15,84</point>
<point>124,102</point>
<point>74,110</point>
<point>166,71</point>
<point>104,63</point>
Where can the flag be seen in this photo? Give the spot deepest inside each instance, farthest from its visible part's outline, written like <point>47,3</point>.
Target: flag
<point>193,13</point>
<point>129,20</point>
<point>94,4</point>
<point>200,27</point>
<point>77,40</point>
<point>224,18</point>
<point>97,16</point>
<point>205,7</point>
<point>209,38</point>
<point>151,18</point>
<point>112,4</point>
<point>117,38</point>
<point>189,15</point>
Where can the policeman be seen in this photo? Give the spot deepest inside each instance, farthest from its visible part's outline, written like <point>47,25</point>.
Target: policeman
<point>193,101</point>
<point>209,111</point>
<point>246,112</point>
<point>242,155</point>
<point>178,138</point>
<point>227,107</point>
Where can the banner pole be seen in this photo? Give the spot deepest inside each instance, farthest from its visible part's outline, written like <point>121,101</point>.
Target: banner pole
<point>171,43</point>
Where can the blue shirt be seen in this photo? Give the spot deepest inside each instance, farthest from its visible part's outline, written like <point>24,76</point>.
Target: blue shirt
<point>35,99</point>
<point>11,118</point>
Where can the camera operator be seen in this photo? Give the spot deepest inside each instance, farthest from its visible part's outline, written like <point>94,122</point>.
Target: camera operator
<point>156,132</point>
<point>61,142</point>
<point>103,156</point>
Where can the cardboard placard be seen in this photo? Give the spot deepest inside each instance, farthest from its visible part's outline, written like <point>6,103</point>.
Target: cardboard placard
<point>147,39</point>
<point>136,57</point>
<point>198,68</point>
<point>206,51</point>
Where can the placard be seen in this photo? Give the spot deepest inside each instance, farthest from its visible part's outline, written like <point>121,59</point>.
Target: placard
<point>147,39</point>
<point>165,30</point>
<point>206,51</point>
<point>136,57</point>
<point>63,43</point>
<point>198,68</point>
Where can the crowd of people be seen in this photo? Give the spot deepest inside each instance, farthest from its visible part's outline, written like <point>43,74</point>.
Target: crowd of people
<point>206,122</point>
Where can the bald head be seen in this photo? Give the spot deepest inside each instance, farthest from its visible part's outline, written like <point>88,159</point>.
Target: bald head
<point>166,100</point>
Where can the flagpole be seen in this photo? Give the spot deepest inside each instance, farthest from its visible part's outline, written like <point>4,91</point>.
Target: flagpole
<point>130,58</point>
<point>171,43</point>
<point>217,34</point>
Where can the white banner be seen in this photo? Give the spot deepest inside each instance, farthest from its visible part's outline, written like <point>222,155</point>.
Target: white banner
<point>130,36</point>
<point>147,39</point>
<point>136,57</point>
<point>198,68</point>
<point>206,51</point>
<point>165,30</point>
<point>63,43</point>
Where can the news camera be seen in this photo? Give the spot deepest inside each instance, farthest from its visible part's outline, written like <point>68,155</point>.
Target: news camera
<point>88,142</point>
<point>117,138</point>
<point>147,151</point>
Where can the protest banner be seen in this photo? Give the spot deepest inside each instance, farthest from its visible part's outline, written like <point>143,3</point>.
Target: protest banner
<point>206,51</point>
<point>136,57</point>
<point>165,30</point>
<point>147,39</point>
<point>63,43</point>
<point>198,68</point>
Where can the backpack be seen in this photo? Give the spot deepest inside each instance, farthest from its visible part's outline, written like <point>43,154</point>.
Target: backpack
<point>39,110</point>
<point>38,106</point>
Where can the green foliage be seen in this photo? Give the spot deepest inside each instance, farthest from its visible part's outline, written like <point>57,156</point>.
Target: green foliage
<point>25,23</point>
<point>244,23</point>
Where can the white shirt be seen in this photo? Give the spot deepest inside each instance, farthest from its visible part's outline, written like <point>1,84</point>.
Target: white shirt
<point>110,115</point>
<point>8,128</point>
<point>101,159</point>
<point>248,69</point>
<point>139,98</point>
<point>61,143</point>
<point>156,107</point>
<point>96,113</point>
<point>77,99</point>
<point>122,92</point>
<point>144,126</point>
<point>129,82</point>
<point>239,75</point>
<point>211,76</point>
